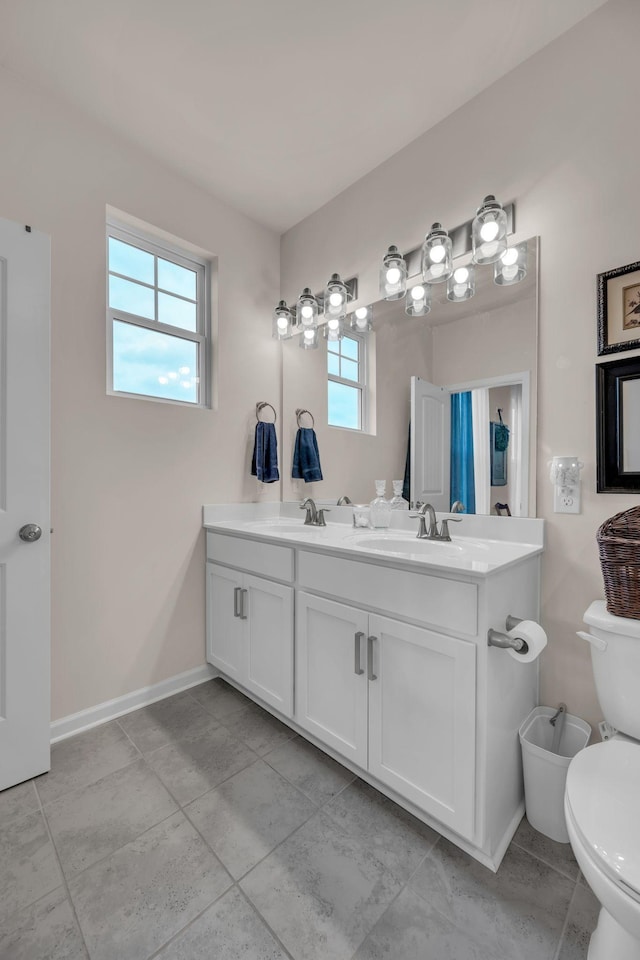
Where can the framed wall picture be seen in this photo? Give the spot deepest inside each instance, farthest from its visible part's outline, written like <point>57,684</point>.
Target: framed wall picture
<point>619,309</point>
<point>618,425</point>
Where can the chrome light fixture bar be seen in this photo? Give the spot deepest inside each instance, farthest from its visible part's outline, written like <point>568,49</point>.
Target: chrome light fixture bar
<point>313,310</point>
<point>461,241</point>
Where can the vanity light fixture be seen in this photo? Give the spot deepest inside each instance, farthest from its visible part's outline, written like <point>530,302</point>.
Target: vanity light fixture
<point>362,319</point>
<point>307,310</point>
<point>461,285</point>
<point>335,298</point>
<point>489,231</point>
<point>512,265</point>
<point>437,255</point>
<point>418,301</point>
<point>309,338</point>
<point>283,322</point>
<point>393,275</point>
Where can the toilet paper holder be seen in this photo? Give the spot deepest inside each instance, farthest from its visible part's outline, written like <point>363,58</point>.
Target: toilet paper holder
<point>497,639</point>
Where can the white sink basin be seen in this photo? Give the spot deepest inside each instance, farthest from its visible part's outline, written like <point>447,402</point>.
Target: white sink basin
<point>415,545</point>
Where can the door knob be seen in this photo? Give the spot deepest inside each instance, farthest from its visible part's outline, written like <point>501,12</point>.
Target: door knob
<point>30,532</point>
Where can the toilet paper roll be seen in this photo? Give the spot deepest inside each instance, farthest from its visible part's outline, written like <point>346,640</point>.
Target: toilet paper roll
<point>533,635</point>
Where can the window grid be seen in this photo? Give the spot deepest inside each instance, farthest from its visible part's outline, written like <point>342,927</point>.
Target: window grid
<point>342,351</point>
<point>199,336</point>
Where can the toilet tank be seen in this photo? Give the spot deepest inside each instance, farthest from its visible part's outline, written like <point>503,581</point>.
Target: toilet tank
<point>615,657</point>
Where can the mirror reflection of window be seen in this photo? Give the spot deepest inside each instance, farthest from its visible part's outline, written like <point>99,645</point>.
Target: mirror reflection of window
<point>346,382</point>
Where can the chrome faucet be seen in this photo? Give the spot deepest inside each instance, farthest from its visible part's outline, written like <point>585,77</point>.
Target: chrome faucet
<point>312,512</point>
<point>433,533</point>
<point>344,501</point>
<point>457,506</point>
<point>315,515</point>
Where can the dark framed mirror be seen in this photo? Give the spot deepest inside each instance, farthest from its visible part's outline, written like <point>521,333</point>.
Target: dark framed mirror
<point>618,425</point>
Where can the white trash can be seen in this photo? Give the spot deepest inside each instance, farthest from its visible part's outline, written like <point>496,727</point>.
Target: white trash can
<point>545,773</point>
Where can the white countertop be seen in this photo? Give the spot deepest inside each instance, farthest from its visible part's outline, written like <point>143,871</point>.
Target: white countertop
<point>484,549</point>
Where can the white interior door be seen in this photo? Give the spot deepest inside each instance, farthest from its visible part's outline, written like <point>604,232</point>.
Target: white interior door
<point>24,504</point>
<point>430,444</point>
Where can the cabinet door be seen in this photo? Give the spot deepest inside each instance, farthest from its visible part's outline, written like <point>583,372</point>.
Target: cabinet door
<point>268,608</point>
<point>224,629</point>
<point>331,693</point>
<point>422,719</point>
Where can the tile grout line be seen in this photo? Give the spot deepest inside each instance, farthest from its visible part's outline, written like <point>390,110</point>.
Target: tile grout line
<point>565,924</point>
<point>547,863</point>
<point>62,874</point>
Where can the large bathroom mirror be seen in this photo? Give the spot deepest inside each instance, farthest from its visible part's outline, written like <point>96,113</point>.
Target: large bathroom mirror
<point>445,402</point>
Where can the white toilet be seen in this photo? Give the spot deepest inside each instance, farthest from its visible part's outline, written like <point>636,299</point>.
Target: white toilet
<point>602,796</point>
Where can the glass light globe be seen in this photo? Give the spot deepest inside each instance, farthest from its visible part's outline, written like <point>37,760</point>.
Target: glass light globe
<point>333,324</point>
<point>361,313</point>
<point>437,253</point>
<point>309,334</point>
<point>418,292</point>
<point>393,275</point>
<point>461,275</point>
<point>306,312</point>
<point>509,257</point>
<point>335,299</point>
<point>282,323</point>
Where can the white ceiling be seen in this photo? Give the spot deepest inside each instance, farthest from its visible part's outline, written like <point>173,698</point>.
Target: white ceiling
<point>275,105</point>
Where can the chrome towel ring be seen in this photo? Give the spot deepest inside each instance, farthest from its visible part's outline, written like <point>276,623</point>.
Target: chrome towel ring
<point>300,412</point>
<point>260,406</point>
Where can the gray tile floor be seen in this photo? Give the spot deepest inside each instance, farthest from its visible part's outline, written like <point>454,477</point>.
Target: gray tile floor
<point>201,827</point>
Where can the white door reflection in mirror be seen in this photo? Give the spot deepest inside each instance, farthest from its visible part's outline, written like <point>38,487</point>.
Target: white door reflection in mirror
<point>454,452</point>
<point>430,439</point>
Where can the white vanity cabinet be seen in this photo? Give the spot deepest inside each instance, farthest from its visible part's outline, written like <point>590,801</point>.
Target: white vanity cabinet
<point>386,665</point>
<point>250,621</point>
<point>396,699</point>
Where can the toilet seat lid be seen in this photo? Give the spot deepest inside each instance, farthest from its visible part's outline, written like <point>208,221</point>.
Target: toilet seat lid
<point>603,795</point>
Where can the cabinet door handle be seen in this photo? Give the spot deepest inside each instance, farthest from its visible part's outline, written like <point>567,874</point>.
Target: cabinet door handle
<point>237,599</point>
<point>243,608</point>
<point>358,667</point>
<point>371,674</point>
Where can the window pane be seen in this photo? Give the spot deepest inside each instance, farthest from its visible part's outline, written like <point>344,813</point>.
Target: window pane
<point>131,297</point>
<point>349,370</point>
<point>155,364</point>
<point>176,279</point>
<point>349,348</point>
<point>333,364</point>
<point>129,260</point>
<point>179,313</point>
<point>344,405</point>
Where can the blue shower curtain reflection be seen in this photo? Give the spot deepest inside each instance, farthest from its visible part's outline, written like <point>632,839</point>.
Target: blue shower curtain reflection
<point>462,476</point>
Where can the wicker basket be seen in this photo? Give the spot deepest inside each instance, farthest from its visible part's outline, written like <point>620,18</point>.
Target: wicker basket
<point>619,545</point>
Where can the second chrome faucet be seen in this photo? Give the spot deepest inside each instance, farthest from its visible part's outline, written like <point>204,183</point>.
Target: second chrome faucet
<point>433,533</point>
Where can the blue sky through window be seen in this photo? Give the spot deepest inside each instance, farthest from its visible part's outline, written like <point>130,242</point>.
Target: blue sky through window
<point>155,364</point>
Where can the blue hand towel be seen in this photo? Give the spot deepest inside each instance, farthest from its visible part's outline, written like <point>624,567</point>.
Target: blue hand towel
<point>264,464</point>
<point>306,458</point>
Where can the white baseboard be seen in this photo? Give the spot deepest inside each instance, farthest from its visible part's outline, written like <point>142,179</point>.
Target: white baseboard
<point>110,709</point>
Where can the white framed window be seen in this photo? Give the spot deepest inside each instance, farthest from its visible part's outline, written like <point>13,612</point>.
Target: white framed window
<point>347,382</point>
<point>158,321</point>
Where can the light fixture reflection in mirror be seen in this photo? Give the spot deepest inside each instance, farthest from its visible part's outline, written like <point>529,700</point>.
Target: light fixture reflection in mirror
<point>512,266</point>
<point>309,339</point>
<point>418,301</point>
<point>334,329</point>
<point>362,319</point>
<point>461,285</point>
